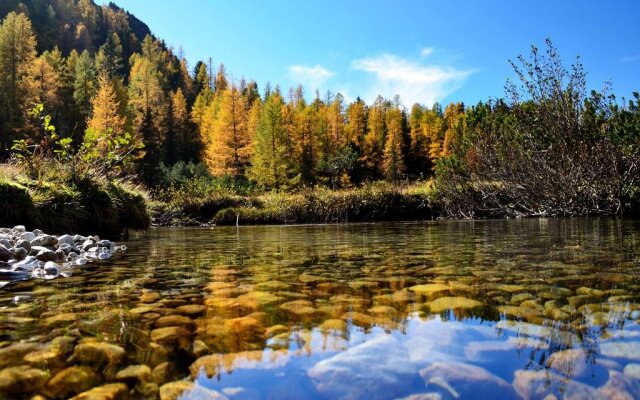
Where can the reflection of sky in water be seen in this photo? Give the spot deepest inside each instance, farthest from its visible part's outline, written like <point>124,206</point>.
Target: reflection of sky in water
<point>390,362</point>
<point>364,311</point>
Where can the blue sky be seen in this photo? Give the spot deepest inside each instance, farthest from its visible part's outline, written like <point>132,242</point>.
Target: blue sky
<point>423,50</point>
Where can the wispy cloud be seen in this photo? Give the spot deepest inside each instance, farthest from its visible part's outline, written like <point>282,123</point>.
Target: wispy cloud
<point>627,59</point>
<point>426,52</point>
<point>311,77</point>
<point>414,82</point>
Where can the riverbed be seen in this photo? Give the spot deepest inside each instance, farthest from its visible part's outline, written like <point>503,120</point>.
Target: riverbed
<point>438,310</point>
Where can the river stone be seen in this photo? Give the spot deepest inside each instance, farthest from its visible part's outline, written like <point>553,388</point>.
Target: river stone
<point>335,325</point>
<point>71,381</point>
<point>99,354</point>
<point>174,320</point>
<point>19,229</point>
<point>157,354</point>
<point>134,374</point>
<point>5,254</point>
<point>110,391</point>
<point>45,241</point>
<point>377,369</point>
<point>632,370</point>
<point>20,253</point>
<point>60,319</point>
<point>628,350</point>
<point>46,358</point>
<point>13,354</point>
<point>200,349</point>
<point>172,337</point>
<point>28,236</point>
<point>453,303</point>
<point>532,385</point>
<point>150,297</point>
<point>298,307</point>
<point>164,372</point>
<point>185,390</point>
<point>21,380</point>
<point>570,363</point>
<point>66,239</point>
<point>431,289</point>
<point>191,310</point>
<point>45,254</point>
<point>466,381</point>
<point>621,387</point>
<point>87,244</point>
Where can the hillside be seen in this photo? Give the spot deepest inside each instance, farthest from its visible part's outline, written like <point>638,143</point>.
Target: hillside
<point>78,24</point>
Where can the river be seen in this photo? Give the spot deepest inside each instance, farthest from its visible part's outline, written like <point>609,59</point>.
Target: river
<point>438,310</point>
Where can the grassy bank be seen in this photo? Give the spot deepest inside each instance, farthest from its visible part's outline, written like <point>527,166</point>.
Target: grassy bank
<point>373,202</point>
<point>85,205</point>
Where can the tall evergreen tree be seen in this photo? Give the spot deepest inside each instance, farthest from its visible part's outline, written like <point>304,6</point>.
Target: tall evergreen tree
<point>393,159</point>
<point>228,150</point>
<point>270,163</point>
<point>17,54</point>
<point>84,83</point>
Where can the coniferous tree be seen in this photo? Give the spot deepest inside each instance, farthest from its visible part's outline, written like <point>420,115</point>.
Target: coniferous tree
<point>106,141</point>
<point>374,140</point>
<point>227,152</point>
<point>84,83</point>
<point>393,159</point>
<point>109,57</point>
<point>17,54</point>
<point>270,163</point>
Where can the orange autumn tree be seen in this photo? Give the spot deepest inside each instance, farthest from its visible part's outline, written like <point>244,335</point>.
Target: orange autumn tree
<point>107,143</point>
<point>227,150</point>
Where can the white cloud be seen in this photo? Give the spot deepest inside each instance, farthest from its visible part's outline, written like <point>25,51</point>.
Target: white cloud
<point>311,78</point>
<point>426,52</point>
<point>414,82</point>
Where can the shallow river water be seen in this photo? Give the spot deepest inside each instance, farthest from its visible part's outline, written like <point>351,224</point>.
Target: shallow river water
<point>434,310</point>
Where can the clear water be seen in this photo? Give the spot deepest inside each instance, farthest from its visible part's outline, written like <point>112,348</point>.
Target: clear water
<point>491,309</point>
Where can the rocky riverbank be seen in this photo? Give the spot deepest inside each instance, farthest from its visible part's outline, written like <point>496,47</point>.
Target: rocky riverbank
<point>34,254</point>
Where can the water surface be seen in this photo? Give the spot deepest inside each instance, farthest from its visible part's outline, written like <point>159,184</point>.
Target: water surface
<point>491,309</point>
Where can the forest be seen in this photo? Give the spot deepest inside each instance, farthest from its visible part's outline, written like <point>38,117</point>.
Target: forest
<point>93,102</point>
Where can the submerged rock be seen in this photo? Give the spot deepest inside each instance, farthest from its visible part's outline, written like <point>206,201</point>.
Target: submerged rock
<point>621,387</point>
<point>134,374</point>
<point>45,241</point>
<point>377,369</point>
<point>628,350</point>
<point>13,354</point>
<point>71,381</point>
<point>460,380</point>
<point>164,372</point>
<point>99,354</point>
<point>173,337</point>
<point>21,380</point>
<point>532,385</point>
<point>110,391</point>
<point>632,370</point>
<point>185,390</point>
<point>453,303</point>
<point>174,320</point>
<point>570,363</point>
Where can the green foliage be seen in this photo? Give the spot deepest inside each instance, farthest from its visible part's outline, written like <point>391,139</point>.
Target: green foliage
<point>116,154</point>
